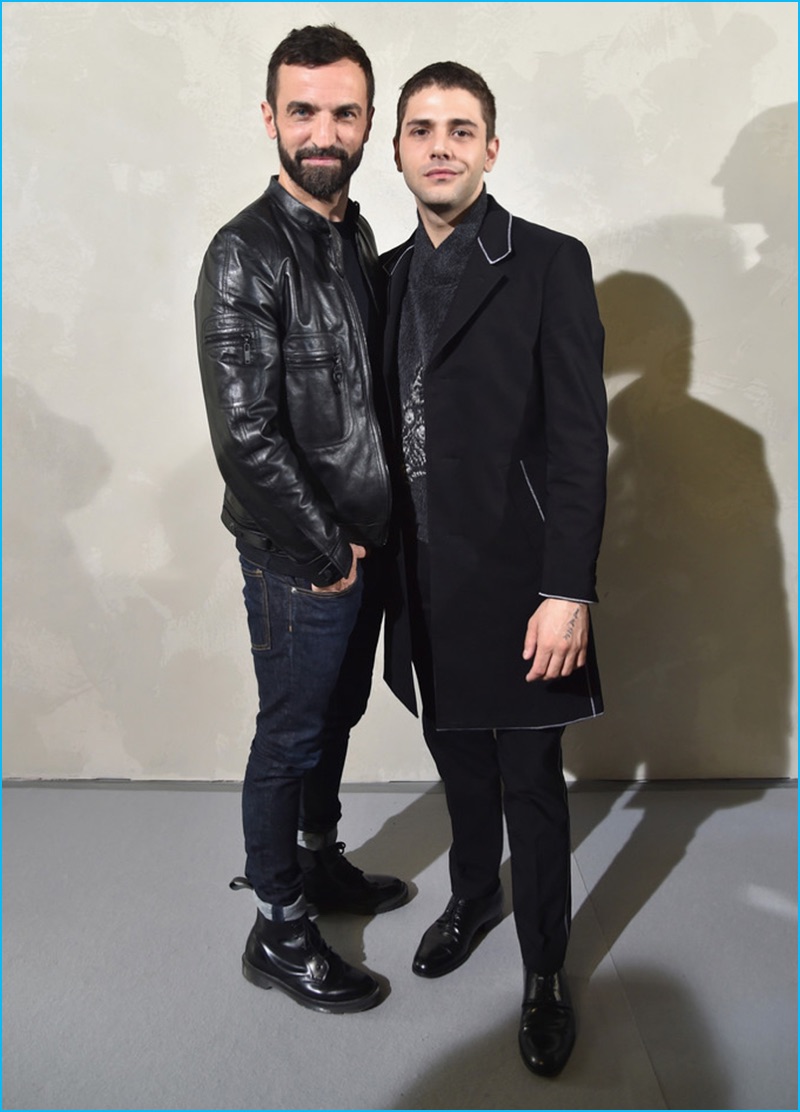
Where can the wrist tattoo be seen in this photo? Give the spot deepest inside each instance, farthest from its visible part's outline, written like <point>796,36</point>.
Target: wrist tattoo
<point>571,625</point>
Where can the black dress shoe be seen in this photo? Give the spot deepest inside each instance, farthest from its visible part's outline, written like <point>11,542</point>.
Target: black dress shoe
<point>547,1027</point>
<point>294,957</point>
<point>449,941</point>
<point>331,883</point>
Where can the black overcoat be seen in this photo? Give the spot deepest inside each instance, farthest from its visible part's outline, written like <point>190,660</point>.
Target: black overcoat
<point>515,416</point>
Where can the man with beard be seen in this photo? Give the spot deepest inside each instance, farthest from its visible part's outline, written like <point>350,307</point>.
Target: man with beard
<point>288,321</point>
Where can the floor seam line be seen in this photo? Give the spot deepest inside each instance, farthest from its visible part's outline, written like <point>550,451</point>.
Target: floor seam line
<point>609,951</point>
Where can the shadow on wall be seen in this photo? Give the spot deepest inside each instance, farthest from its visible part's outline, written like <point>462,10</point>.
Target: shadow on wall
<point>91,652</point>
<point>54,466</point>
<point>693,622</point>
<point>693,628</point>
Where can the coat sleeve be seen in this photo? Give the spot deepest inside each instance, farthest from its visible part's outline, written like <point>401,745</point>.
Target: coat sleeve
<point>241,365</point>
<point>571,350</point>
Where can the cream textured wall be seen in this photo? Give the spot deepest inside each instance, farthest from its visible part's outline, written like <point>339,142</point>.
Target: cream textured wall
<point>663,135</point>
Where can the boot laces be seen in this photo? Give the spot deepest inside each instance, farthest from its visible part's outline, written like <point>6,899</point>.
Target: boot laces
<point>313,937</point>
<point>343,868</point>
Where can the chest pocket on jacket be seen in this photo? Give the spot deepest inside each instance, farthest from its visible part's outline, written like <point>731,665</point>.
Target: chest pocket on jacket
<point>317,391</point>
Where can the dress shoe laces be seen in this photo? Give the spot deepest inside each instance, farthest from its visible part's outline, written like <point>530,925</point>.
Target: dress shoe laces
<point>545,989</point>
<point>547,1024</point>
<point>451,918</point>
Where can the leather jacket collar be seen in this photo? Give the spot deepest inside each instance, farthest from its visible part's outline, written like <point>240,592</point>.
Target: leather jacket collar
<point>301,213</point>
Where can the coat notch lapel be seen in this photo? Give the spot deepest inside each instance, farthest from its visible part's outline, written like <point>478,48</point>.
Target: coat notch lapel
<point>477,282</point>
<point>481,274</point>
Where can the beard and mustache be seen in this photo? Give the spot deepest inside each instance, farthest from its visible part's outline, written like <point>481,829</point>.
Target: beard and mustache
<point>320,182</point>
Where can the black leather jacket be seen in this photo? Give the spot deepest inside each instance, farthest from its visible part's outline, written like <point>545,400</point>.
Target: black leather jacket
<point>288,387</point>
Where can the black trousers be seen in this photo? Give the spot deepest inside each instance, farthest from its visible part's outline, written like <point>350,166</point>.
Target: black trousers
<point>491,773</point>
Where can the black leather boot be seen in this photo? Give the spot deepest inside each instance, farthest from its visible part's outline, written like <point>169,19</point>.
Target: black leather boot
<point>448,942</point>
<point>547,1027</point>
<point>294,957</point>
<point>331,883</point>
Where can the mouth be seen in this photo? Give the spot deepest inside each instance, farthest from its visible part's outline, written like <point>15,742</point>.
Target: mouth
<point>439,173</point>
<point>321,157</point>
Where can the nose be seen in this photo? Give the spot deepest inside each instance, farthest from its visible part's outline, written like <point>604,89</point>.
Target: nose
<point>324,129</point>
<point>440,147</point>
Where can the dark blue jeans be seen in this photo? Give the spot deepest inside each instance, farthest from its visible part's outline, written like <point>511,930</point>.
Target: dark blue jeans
<point>313,655</point>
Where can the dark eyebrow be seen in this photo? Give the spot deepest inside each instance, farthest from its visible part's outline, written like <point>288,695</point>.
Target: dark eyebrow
<point>306,106</point>
<point>450,123</point>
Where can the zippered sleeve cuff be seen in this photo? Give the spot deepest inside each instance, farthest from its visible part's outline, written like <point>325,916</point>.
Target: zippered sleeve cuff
<point>328,570</point>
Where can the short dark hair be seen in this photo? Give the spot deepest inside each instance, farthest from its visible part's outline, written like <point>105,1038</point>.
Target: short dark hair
<point>449,75</point>
<point>317,46</point>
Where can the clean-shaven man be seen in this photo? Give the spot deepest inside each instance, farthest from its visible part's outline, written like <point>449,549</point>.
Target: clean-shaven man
<point>288,324</point>
<point>494,373</point>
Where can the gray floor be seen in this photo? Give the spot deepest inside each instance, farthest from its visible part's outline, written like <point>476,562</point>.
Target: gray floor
<point>122,988</point>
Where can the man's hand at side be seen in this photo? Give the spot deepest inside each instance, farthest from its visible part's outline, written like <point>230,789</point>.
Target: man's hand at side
<point>342,584</point>
<point>556,639</point>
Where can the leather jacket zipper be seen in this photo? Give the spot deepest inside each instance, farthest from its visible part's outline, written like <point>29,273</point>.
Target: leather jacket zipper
<point>245,338</point>
<point>355,314</point>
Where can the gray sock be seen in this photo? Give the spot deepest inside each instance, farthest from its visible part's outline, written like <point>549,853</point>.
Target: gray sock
<point>276,913</point>
<point>316,842</point>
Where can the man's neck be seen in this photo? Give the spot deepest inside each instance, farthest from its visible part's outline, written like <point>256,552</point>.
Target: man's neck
<point>441,223</point>
<point>333,209</point>
<point>437,226</point>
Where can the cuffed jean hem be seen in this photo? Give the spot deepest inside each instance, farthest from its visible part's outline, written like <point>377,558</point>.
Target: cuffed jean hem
<point>278,914</point>
<point>316,842</point>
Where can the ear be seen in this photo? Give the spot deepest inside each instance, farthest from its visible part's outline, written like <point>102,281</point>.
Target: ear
<point>269,119</point>
<point>492,150</point>
<point>397,161</point>
<point>370,118</point>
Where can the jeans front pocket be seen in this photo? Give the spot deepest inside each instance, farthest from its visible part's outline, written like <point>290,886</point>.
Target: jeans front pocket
<point>303,587</point>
